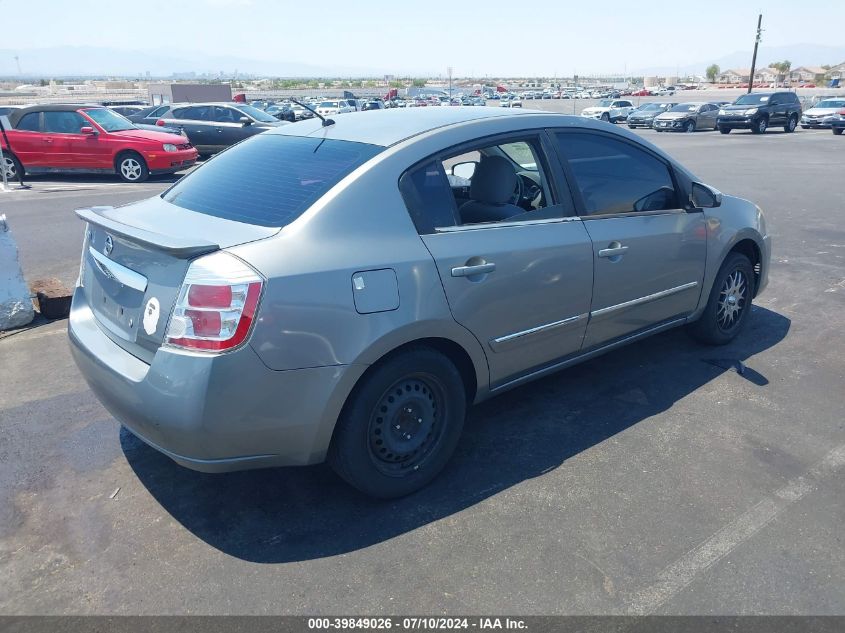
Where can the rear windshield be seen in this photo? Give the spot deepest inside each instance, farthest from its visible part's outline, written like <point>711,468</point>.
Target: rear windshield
<point>270,179</point>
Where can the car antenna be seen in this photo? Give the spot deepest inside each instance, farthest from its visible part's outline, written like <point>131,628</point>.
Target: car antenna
<point>326,122</point>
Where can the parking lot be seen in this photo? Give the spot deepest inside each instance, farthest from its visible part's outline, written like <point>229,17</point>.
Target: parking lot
<point>663,478</point>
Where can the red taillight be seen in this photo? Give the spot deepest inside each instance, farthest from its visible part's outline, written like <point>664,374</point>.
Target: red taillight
<point>216,306</point>
<point>210,296</point>
<point>160,122</point>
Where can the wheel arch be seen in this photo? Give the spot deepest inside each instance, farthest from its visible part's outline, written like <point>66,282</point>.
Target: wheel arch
<point>123,152</point>
<point>751,249</point>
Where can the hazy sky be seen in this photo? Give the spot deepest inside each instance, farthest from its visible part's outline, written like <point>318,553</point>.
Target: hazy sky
<point>496,37</point>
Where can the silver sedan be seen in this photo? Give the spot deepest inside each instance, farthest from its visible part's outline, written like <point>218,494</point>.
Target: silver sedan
<point>345,290</point>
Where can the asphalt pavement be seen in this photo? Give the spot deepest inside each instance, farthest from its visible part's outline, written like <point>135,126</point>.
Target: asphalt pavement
<point>664,478</point>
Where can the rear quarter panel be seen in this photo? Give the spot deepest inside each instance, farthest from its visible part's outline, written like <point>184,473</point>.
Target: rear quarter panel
<point>308,316</point>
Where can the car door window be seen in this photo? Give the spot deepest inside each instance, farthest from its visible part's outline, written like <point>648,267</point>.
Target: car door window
<point>470,192</point>
<point>30,122</point>
<point>193,113</point>
<point>616,177</point>
<point>428,197</point>
<point>158,112</point>
<point>225,115</point>
<point>63,122</point>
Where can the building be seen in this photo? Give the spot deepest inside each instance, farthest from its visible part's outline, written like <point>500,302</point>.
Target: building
<point>734,76</point>
<point>837,72</point>
<point>189,93</point>
<point>807,74</point>
<point>767,76</point>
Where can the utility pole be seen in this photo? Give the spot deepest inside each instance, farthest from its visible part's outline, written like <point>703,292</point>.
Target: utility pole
<point>754,57</point>
<point>449,72</point>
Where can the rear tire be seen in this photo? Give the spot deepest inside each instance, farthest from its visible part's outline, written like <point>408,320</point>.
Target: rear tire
<point>13,167</point>
<point>400,425</point>
<point>837,131</point>
<point>791,124</point>
<point>131,167</point>
<point>725,130</point>
<point>729,305</point>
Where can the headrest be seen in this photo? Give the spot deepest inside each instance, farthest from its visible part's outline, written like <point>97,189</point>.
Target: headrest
<point>494,180</point>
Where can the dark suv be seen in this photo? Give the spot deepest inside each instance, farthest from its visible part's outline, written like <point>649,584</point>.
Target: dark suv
<point>758,111</point>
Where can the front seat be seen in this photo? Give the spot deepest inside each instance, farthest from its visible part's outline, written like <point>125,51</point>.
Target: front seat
<point>493,185</point>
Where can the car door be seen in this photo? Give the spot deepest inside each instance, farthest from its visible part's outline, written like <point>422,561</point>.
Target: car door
<point>28,142</point>
<point>228,128</point>
<point>521,286</point>
<point>707,116</point>
<point>71,149</point>
<point>648,249</point>
<point>777,111</point>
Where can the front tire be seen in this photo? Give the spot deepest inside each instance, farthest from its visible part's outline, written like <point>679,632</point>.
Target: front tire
<point>729,305</point>
<point>400,425</point>
<point>689,127</point>
<point>131,167</point>
<point>837,131</point>
<point>759,126</point>
<point>605,117</point>
<point>724,130</point>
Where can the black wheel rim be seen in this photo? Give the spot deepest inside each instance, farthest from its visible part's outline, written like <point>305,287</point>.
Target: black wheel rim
<point>733,297</point>
<point>407,424</point>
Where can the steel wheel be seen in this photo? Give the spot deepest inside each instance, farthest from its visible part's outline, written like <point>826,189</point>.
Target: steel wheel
<point>405,426</point>
<point>130,168</point>
<point>10,166</point>
<point>732,301</point>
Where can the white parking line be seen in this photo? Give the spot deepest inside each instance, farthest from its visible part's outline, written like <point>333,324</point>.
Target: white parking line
<point>683,571</point>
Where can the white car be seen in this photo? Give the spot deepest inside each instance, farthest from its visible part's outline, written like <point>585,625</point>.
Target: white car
<point>511,102</point>
<point>665,90</point>
<point>611,110</point>
<point>330,108</point>
<point>825,109</point>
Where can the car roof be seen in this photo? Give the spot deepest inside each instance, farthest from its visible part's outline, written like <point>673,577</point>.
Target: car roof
<point>392,126</point>
<point>19,113</point>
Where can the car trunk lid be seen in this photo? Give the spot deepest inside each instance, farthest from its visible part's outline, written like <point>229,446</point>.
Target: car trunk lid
<point>135,259</point>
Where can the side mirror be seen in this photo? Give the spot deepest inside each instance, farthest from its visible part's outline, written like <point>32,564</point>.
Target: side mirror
<point>245,120</point>
<point>705,197</point>
<point>464,170</point>
<point>87,129</point>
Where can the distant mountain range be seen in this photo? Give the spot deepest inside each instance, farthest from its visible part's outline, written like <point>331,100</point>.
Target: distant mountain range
<point>798,54</point>
<point>87,61</point>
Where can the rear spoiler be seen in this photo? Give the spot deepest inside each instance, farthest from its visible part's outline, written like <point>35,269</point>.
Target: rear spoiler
<point>182,248</point>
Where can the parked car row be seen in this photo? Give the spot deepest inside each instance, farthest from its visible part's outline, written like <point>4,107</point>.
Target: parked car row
<point>757,112</point>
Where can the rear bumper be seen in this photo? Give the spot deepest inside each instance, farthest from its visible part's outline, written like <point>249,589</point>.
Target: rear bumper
<point>212,413</point>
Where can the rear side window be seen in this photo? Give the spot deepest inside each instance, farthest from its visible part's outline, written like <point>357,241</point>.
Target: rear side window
<point>617,177</point>
<point>63,122</point>
<point>29,122</point>
<point>269,180</point>
<point>193,113</point>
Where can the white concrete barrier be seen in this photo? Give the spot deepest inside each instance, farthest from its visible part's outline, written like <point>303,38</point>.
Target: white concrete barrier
<point>15,305</point>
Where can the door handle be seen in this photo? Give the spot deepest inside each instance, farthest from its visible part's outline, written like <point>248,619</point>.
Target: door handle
<point>477,269</point>
<point>614,249</point>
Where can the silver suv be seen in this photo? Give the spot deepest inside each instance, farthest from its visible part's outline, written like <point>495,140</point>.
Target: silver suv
<point>344,291</point>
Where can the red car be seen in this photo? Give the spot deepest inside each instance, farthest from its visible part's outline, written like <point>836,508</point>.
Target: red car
<point>79,138</point>
<point>641,93</point>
